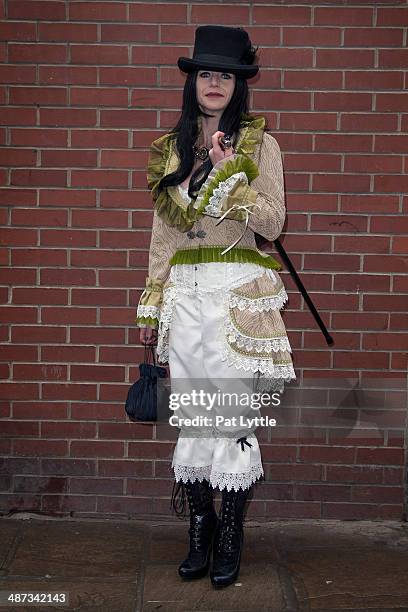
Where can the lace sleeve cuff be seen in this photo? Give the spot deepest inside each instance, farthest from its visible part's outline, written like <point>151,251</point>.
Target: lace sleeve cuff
<point>148,309</point>
<point>222,181</point>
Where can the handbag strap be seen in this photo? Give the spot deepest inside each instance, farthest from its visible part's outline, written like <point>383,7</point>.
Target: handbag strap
<point>149,353</point>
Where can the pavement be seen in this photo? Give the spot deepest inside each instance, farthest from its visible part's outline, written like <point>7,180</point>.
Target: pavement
<point>131,565</point>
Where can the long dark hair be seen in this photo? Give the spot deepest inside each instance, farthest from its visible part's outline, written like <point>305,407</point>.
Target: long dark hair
<point>186,131</point>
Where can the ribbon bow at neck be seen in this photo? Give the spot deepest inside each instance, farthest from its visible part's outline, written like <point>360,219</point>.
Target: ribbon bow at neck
<point>243,441</point>
<point>238,207</point>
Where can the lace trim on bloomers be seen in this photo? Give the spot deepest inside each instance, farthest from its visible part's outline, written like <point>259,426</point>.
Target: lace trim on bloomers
<point>148,311</point>
<point>222,480</point>
<point>213,208</point>
<point>188,473</point>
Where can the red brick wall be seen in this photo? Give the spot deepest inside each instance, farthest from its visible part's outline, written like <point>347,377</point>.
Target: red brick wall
<point>85,87</point>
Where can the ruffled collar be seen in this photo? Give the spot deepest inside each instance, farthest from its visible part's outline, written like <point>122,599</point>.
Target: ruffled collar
<point>170,204</point>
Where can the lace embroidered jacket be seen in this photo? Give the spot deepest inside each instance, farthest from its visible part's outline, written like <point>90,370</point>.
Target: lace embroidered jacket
<point>241,196</point>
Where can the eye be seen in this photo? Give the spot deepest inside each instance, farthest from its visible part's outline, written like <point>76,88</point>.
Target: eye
<point>227,74</point>
<point>204,74</point>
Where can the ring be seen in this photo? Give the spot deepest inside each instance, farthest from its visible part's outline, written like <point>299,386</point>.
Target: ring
<point>225,142</point>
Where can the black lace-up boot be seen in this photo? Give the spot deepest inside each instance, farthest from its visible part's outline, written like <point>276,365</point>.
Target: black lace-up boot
<point>228,538</point>
<point>203,522</point>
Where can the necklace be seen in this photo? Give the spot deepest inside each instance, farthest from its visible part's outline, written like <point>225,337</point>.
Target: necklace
<point>201,152</point>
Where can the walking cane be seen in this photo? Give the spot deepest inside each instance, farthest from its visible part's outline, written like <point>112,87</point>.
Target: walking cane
<point>303,291</point>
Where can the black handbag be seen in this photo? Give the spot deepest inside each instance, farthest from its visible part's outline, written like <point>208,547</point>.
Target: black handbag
<point>141,401</point>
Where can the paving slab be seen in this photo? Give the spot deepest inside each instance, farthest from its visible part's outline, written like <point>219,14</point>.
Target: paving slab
<point>131,565</point>
<point>165,591</point>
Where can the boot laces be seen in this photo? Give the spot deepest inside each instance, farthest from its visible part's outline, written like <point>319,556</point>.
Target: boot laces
<point>229,530</point>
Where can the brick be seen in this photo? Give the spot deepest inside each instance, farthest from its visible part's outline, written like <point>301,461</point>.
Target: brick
<point>71,198</point>
<point>17,157</point>
<point>157,55</point>
<point>12,314</point>
<point>392,58</point>
<point>70,158</point>
<point>98,372</point>
<point>99,138</point>
<point>68,277</point>
<point>72,238</point>
<point>88,11</point>
<point>51,316</point>
<point>69,430</point>
<point>40,410</point>
<point>128,76</point>
<point>389,225</point>
<point>98,96</point>
<point>125,469</point>
<point>390,263</point>
<point>158,13</point>
<point>19,352</point>
<point>373,79</point>
<point>123,159</point>
<point>313,79</point>
<point>96,449</point>
<point>153,98</point>
<point>17,31</point>
<point>19,237</point>
<point>177,33</point>
<point>40,218</point>
<point>95,411</point>
<point>101,54</point>
<point>42,137</point>
<point>68,75</point>
<point>326,454</point>
<point>131,118</point>
<point>68,32</point>
<point>122,199</point>
<point>372,37</point>
<point>40,178</point>
<point>346,58</point>
<point>93,297</point>
<point>395,17</point>
<point>99,179</point>
<point>99,218</point>
<point>39,257</point>
<point>39,333</point>
<point>11,276</point>
<point>343,16</point>
<point>121,33</point>
<point>44,96</point>
<point>309,37</point>
<point>282,15</point>
<point>18,116</point>
<point>38,53</point>
<point>18,390</point>
<point>18,197</point>
<point>68,117</point>
<point>48,10</point>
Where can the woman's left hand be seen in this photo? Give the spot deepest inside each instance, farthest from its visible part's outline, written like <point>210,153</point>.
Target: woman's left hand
<point>216,154</point>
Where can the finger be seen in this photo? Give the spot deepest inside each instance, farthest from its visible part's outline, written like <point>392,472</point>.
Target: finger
<point>214,140</point>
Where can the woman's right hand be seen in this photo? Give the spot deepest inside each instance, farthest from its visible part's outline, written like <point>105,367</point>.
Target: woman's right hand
<point>148,335</point>
<point>216,153</point>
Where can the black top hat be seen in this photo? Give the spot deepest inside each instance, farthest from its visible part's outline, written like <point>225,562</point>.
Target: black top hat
<point>220,48</point>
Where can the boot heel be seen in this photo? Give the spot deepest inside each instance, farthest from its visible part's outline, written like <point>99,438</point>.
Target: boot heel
<point>229,538</point>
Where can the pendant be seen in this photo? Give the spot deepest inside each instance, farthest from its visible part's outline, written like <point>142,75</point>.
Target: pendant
<point>201,152</point>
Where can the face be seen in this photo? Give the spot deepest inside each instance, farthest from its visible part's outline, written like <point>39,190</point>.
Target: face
<point>220,84</point>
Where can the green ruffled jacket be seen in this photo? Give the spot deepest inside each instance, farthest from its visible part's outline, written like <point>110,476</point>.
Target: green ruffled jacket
<point>246,190</point>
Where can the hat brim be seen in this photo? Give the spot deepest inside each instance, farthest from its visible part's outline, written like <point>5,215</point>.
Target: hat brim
<point>187,64</point>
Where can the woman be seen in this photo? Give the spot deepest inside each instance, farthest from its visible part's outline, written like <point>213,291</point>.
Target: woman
<point>212,299</point>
